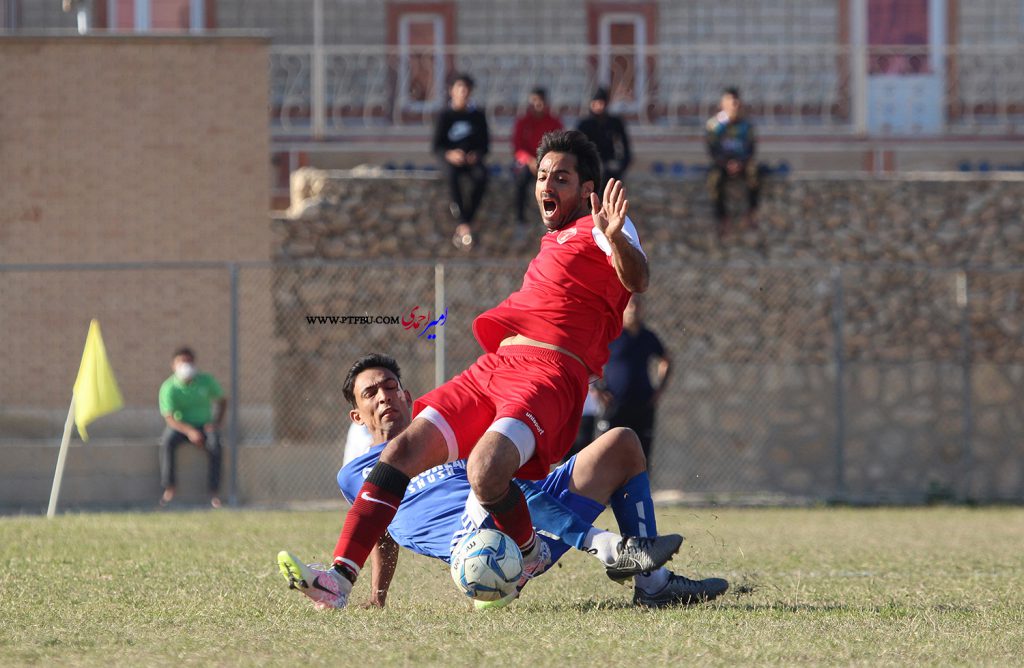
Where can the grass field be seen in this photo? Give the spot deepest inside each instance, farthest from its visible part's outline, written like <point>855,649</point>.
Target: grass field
<point>810,586</point>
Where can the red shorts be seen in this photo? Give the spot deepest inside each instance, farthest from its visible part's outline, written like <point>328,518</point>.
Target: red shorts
<point>543,388</point>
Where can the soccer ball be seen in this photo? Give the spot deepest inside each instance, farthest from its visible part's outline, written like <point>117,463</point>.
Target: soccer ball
<point>487,565</point>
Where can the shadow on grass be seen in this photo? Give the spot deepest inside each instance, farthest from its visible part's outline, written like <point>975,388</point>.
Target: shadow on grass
<point>778,606</point>
<point>887,611</point>
<point>592,605</point>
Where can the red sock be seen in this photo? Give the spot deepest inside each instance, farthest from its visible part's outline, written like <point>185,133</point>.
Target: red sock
<point>365,523</point>
<point>512,517</point>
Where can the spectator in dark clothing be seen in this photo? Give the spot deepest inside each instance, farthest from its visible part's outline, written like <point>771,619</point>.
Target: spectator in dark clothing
<point>609,134</point>
<point>732,144</point>
<point>529,129</point>
<point>629,398</point>
<point>461,141</point>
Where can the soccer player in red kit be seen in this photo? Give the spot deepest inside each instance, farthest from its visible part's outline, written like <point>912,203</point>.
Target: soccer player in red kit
<point>516,410</point>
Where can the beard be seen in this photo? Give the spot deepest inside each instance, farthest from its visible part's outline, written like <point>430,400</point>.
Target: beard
<point>566,211</point>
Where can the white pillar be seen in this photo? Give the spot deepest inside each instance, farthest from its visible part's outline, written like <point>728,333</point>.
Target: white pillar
<point>142,19</point>
<point>859,65</point>
<point>196,15</point>
<point>319,79</point>
<point>83,18</point>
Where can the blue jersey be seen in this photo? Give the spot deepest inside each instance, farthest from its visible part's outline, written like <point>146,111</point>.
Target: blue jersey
<point>439,507</point>
<point>431,512</point>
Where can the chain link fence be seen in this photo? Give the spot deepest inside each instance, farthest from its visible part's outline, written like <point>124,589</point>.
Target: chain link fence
<point>798,381</point>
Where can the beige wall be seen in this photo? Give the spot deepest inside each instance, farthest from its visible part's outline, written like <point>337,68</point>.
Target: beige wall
<point>116,149</point>
<point>128,149</point>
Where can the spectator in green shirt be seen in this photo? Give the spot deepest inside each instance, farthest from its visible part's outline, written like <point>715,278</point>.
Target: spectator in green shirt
<point>187,401</point>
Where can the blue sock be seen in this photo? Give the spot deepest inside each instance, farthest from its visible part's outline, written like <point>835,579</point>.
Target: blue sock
<point>634,508</point>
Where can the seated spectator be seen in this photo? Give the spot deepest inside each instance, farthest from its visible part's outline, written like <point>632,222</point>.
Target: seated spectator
<point>461,141</point>
<point>731,144</point>
<point>526,136</point>
<point>187,400</point>
<point>608,132</point>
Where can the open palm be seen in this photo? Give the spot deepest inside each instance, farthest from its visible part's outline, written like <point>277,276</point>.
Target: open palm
<point>610,214</point>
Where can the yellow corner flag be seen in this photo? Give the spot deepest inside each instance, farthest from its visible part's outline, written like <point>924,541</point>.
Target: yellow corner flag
<point>96,393</point>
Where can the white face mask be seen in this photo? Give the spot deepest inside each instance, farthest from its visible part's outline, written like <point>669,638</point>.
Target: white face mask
<point>185,372</point>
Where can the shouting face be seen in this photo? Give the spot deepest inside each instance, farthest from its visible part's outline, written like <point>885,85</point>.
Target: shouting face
<point>560,195</point>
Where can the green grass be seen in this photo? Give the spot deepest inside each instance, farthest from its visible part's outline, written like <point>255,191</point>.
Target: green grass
<point>818,586</point>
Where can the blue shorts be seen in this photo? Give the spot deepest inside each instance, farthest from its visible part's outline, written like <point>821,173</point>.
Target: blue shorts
<point>557,485</point>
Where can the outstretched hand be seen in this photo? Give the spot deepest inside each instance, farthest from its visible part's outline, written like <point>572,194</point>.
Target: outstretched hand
<point>610,214</point>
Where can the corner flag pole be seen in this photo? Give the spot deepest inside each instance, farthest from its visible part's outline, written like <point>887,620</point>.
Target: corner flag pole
<point>59,475</point>
<point>96,394</point>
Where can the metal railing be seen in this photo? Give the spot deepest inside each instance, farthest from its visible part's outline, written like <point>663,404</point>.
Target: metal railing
<point>333,91</point>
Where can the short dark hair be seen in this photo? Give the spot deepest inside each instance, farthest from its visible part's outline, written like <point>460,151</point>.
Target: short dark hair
<point>601,94</point>
<point>732,90</point>
<point>371,361</point>
<point>540,92</point>
<point>588,160</point>
<point>184,350</point>
<point>464,78</point>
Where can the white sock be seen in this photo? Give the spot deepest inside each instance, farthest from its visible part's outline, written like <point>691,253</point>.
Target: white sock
<point>530,549</point>
<point>603,545</point>
<point>653,582</point>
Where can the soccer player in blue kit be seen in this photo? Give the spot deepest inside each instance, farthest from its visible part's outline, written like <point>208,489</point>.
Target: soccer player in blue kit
<point>439,507</point>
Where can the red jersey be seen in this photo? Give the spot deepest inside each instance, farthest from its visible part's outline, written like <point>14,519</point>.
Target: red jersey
<point>571,296</point>
<point>527,133</point>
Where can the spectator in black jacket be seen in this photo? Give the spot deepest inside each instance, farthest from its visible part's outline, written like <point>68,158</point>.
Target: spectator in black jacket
<point>461,142</point>
<point>609,134</point>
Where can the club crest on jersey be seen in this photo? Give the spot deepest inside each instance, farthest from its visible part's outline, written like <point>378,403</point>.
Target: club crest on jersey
<point>565,235</point>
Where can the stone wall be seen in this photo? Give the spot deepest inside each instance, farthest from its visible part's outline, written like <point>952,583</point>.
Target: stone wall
<point>909,288</point>
<point>941,221</point>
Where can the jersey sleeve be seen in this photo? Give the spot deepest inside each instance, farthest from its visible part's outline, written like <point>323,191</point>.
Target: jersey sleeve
<point>164,400</point>
<point>629,230</point>
<point>216,391</point>
<point>352,474</point>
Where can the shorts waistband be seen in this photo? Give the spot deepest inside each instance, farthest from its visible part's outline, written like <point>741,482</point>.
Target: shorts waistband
<point>537,352</point>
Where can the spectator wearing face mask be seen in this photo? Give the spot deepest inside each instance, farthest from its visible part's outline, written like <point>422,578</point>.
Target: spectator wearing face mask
<point>192,404</point>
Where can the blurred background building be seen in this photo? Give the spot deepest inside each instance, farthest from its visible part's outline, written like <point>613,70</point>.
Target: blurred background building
<point>357,81</point>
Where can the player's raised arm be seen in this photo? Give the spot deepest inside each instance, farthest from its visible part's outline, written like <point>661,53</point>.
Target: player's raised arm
<point>610,217</point>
